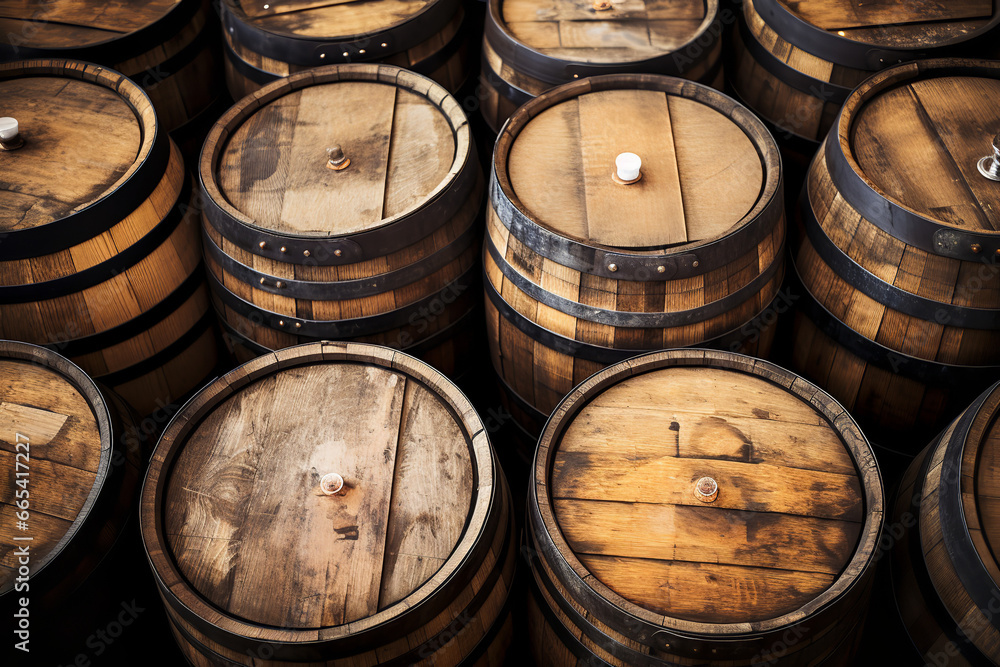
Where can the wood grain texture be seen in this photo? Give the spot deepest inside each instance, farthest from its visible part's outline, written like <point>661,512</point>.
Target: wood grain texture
<point>80,139</point>
<point>82,22</point>
<point>838,14</point>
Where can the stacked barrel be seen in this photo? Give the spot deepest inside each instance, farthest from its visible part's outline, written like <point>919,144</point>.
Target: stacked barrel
<point>585,268</point>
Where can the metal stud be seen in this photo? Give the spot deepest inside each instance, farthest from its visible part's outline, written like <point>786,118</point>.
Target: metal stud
<point>661,269</point>
<point>694,263</point>
<point>338,252</point>
<point>976,248</point>
<point>298,325</point>
<point>306,253</point>
<point>262,245</point>
<point>263,282</point>
<point>612,267</point>
<point>279,284</point>
<point>284,249</point>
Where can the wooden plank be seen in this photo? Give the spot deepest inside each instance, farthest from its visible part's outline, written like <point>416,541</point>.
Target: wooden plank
<point>837,14</point>
<point>341,20</point>
<point>721,174</point>
<point>119,17</point>
<point>649,212</point>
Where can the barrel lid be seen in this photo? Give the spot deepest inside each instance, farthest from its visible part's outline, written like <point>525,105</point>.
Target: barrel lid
<point>915,135</point>
<point>706,165</point>
<point>404,140</point>
<point>55,443</point>
<point>360,470</point>
<point>621,31</point>
<point>898,24</point>
<point>336,19</point>
<point>63,24</point>
<point>707,491</point>
<point>81,138</point>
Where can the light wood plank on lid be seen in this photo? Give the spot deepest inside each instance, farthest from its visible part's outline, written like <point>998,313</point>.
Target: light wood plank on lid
<point>632,30</point>
<point>245,492</point>
<point>273,168</point>
<point>80,138</point>
<point>700,172</point>
<point>837,14</point>
<point>333,19</point>
<point>783,527</point>
<point>920,143</point>
<point>76,23</point>
<point>62,459</point>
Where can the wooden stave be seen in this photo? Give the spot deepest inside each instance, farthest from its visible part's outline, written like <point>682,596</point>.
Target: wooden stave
<point>151,375</point>
<point>184,45</point>
<point>934,389</point>
<point>639,625</point>
<point>446,65</point>
<point>930,596</point>
<point>77,559</point>
<point>492,509</point>
<point>816,102</point>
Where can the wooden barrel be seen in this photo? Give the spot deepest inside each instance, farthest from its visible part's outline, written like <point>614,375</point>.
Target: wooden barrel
<point>264,42</point>
<point>795,64</point>
<point>382,250</point>
<point>900,312</point>
<point>370,477</point>
<point>583,271</point>
<point>529,48</point>
<point>676,518</point>
<point>945,571</point>
<point>100,257</point>
<point>169,47</point>
<point>70,482</point>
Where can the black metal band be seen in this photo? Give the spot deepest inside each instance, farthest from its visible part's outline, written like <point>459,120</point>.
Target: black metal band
<point>921,370</point>
<point>632,265</point>
<point>907,226</point>
<point>918,567</point>
<point>849,53</point>
<point>106,270</point>
<point>117,49</point>
<point>823,90</point>
<point>962,552</point>
<point>162,357</point>
<point>384,240</point>
<point>585,658</point>
<point>98,217</point>
<point>342,289</point>
<point>555,71</point>
<point>433,62</point>
<point>358,48</point>
<point>885,293</point>
<point>150,318</point>
<point>628,319</point>
<point>337,329</point>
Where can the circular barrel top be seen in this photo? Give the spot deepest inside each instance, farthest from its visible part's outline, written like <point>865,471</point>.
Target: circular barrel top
<point>898,24</point>
<point>85,131</point>
<point>362,471</point>
<point>339,19</point>
<point>707,164</point>
<point>404,140</point>
<point>55,443</point>
<point>67,24</point>
<point>915,134</point>
<point>625,31</point>
<point>707,491</point>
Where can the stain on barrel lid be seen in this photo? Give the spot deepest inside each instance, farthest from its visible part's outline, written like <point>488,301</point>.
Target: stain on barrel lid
<point>331,20</point>
<point>706,493</point>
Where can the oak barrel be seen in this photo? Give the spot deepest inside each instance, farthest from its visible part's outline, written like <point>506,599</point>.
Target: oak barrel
<point>370,478</point>
<point>101,257</point>
<point>945,572</point>
<point>795,63</point>
<point>381,247</point>
<point>530,47</point>
<point>70,460</point>
<point>898,248</point>
<point>264,42</point>
<point>169,47</point>
<point>676,517</point>
<point>583,270</point>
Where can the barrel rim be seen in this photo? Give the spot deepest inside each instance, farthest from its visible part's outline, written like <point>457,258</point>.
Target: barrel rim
<point>395,232</point>
<point>79,380</point>
<point>560,70</point>
<point>575,576</point>
<point>884,211</point>
<point>186,599</point>
<point>842,50</point>
<point>135,185</point>
<point>685,258</point>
